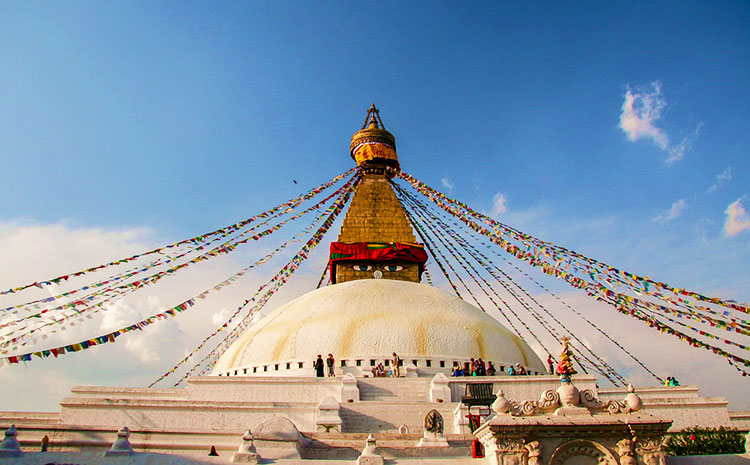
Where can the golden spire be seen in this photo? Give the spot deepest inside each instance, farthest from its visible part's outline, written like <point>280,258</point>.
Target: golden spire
<point>373,147</point>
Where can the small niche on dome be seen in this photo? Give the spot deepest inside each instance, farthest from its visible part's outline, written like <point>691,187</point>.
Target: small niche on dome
<point>276,367</point>
<point>288,366</point>
<point>343,363</point>
<point>301,364</point>
<point>428,363</point>
<point>359,363</point>
<point>372,362</point>
<point>442,363</point>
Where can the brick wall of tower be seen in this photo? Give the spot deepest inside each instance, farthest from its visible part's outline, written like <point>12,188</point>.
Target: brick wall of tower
<point>375,215</point>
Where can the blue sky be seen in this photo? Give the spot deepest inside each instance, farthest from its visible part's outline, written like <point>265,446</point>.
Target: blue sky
<point>150,122</point>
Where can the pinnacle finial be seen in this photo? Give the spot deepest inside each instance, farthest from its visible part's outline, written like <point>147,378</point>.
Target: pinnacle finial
<point>373,147</point>
<point>372,120</point>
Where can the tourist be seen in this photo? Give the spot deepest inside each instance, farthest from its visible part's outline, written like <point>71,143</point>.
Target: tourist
<point>395,361</point>
<point>482,368</point>
<point>457,371</point>
<point>380,370</point>
<point>331,363</point>
<point>318,365</point>
<point>491,369</point>
<point>511,371</point>
<point>673,381</point>
<point>551,364</point>
<point>467,370</point>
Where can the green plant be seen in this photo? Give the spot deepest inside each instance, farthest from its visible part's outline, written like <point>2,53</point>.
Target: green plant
<point>706,441</point>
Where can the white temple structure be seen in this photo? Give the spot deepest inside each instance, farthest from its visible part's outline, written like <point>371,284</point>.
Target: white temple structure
<point>263,403</point>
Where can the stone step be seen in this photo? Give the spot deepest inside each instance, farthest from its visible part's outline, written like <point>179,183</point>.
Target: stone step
<point>375,417</point>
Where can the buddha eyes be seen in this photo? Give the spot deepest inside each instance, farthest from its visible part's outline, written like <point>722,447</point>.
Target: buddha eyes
<point>389,268</point>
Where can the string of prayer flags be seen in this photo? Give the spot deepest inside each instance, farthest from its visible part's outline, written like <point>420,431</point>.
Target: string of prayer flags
<point>196,239</point>
<point>122,289</point>
<point>550,252</point>
<point>276,282</point>
<point>335,207</point>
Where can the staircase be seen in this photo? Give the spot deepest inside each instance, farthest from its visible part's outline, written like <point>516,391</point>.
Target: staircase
<point>387,403</point>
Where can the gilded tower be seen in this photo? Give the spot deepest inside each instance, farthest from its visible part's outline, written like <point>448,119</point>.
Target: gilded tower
<point>376,239</point>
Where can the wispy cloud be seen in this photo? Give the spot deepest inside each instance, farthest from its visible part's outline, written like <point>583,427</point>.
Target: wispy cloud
<point>639,114</point>
<point>499,204</point>
<point>447,183</point>
<point>721,178</point>
<point>738,219</point>
<point>673,212</point>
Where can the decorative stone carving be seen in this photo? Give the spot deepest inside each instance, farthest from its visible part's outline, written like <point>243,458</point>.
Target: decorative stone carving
<point>370,454</point>
<point>651,451</point>
<point>328,418</point>
<point>433,422</point>
<point>9,447</point>
<point>121,446</point>
<point>440,390</point>
<point>349,389</point>
<point>625,449</point>
<point>433,431</point>
<point>535,453</point>
<point>246,452</point>
<point>403,429</point>
<point>631,403</point>
<point>547,402</point>
<point>411,371</point>
<point>582,448</point>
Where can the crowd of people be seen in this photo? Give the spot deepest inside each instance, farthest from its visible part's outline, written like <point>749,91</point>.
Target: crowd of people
<point>474,367</point>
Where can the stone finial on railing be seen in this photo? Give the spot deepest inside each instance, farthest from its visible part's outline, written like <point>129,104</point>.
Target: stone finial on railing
<point>440,391</point>
<point>370,454</point>
<point>9,447</point>
<point>411,371</point>
<point>349,389</point>
<point>501,405</point>
<point>121,446</point>
<point>328,418</point>
<point>246,452</point>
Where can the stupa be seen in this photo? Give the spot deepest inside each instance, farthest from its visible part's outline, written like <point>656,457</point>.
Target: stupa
<point>263,402</point>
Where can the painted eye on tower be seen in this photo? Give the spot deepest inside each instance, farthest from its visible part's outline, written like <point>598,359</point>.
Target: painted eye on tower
<point>362,267</point>
<point>393,268</point>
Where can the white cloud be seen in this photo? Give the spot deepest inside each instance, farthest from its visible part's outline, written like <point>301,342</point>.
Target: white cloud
<point>738,219</point>
<point>677,152</point>
<point>673,212</point>
<point>220,317</point>
<point>499,204</point>
<point>31,252</point>
<point>640,111</point>
<point>447,183</point>
<point>721,178</point>
<point>639,114</point>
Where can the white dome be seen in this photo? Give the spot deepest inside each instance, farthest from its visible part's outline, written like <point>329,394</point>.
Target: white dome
<point>369,319</point>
